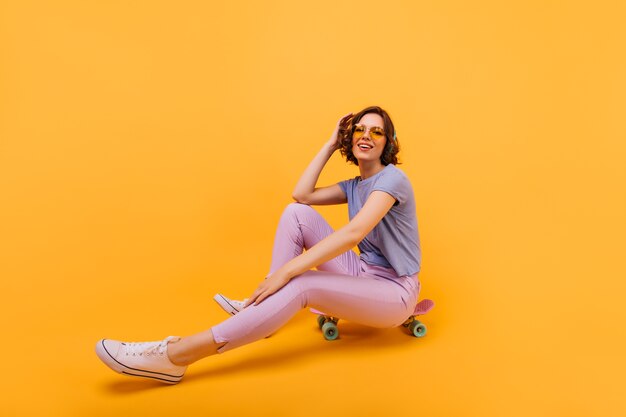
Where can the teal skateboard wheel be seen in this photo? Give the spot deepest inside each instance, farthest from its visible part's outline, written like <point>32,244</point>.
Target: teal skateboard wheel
<point>417,328</point>
<point>320,321</point>
<point>330,330</point>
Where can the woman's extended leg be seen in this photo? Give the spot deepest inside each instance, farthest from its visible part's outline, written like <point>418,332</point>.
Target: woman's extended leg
<point>336,288</point>
<point>344,287</point>
<point>371,300</point>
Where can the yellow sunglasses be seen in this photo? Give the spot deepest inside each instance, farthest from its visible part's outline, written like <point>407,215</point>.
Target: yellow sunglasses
<point>376,132</point>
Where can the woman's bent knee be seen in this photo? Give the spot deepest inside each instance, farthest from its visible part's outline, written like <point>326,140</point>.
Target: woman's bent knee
<point>295,208</point>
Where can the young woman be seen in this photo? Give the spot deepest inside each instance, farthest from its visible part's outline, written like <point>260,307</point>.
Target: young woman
<point>379,288</point>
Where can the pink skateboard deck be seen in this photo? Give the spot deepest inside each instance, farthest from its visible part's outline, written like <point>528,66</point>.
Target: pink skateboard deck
<point>423,307</point>
<point>314,311</point>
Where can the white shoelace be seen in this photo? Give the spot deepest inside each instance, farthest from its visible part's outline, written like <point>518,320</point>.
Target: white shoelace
<point>148,348</point>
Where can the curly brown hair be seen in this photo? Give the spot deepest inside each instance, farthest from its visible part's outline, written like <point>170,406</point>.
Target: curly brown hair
<point>392,147</point>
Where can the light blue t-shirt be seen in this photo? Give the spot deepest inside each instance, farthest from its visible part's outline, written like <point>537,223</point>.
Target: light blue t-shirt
<point>394,242</point>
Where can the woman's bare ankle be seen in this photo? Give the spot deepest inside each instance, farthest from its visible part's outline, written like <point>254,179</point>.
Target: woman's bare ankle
<point>192,348</point>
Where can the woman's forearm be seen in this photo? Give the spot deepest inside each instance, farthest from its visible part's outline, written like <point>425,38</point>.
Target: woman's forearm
<point>326,249</point>
<point>308,180</point>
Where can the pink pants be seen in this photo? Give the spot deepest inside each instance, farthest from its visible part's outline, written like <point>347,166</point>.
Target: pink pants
<point>344,287</point>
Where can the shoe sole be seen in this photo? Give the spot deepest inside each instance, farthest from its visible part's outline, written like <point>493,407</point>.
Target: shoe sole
<point>226,306</point>
<point>119,367</point>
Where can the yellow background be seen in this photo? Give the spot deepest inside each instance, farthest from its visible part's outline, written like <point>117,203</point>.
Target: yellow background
<point>148,148</point>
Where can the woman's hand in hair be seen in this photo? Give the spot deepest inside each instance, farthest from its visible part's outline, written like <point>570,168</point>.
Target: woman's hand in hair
<point>342,125</point>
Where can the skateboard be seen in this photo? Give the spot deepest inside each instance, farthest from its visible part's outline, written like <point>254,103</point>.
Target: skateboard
<point>328,324</point>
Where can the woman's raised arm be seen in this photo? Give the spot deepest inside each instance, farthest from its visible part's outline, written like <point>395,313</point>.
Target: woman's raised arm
<point>305,191</point>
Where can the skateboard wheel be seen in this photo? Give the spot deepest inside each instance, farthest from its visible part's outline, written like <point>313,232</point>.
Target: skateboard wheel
<point>330,330</point>
<point>320,321</point>
<point>417,328</point>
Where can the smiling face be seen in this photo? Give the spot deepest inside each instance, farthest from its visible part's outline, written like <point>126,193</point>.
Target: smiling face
<point>367,147</point>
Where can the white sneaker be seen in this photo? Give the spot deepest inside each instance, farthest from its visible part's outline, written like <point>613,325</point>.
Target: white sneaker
<point>232,307</point>
<point>143,359</point>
